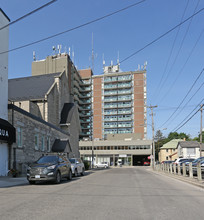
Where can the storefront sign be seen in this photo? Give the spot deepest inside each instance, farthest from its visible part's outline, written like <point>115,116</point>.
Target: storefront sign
<point>123,155</point>
<point>7,131</point>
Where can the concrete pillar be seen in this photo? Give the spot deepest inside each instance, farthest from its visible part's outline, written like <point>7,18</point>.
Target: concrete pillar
<point>190,170</point>
<point>171,168</point>
<point>168,168</point>
<point>179,170</point>
<point>199,174</point>
<point>174,168</point>
<point>114,159</point>
<point>184,169</point>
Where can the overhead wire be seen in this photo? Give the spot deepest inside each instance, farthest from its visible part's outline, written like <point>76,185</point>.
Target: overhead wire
<point>161,36</point>
<point>186,103</point>
<point>74,28</point>
<point>183,98</point>
<point>170,54</point>
<point>188,114</point>
<point>28,14</point>
<point>176,57</point>
<point>187,120</point>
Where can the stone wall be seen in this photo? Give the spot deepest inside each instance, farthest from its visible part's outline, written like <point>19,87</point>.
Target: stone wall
<point>30,126</point>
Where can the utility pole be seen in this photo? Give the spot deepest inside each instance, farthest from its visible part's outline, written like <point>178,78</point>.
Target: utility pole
<point>153,144</point>
<point>201,136</point>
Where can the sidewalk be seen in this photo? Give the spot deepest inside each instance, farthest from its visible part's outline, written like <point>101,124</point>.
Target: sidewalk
<point>7,181</point>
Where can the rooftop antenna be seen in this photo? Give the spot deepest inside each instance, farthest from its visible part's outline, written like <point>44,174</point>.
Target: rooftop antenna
<point>72,54</point>
<point>69,51</point>
<point>34,58</point>
<point>118,58</point>
<point>103,61</point>
<point>59,47</point>
<point>92,55</point>
<point>54,49</point>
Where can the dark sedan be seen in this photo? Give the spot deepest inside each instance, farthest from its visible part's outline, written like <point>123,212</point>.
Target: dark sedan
<point>49,168</point>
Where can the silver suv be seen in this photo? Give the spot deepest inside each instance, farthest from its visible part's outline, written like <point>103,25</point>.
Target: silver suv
<point>77,166</point>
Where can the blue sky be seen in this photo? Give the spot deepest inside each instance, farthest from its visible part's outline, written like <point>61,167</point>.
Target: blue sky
<point>173,63</point>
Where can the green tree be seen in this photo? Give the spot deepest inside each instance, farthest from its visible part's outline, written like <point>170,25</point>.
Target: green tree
<point>198,138</point>
<point>160,140</point>
<point>175,135</point>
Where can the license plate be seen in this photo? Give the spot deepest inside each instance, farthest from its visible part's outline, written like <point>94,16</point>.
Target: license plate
<point>37,176</point>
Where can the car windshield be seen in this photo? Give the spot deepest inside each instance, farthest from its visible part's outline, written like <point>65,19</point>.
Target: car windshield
<point>47,159</point>
<point>72,160</point>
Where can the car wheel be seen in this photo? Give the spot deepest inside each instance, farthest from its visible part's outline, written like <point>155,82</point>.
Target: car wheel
<point>31,182</point>
<point>58,178</point>
<point>82,173</point>
<point>75,173</point>
<point>70,175</point>
<point>96,166</point>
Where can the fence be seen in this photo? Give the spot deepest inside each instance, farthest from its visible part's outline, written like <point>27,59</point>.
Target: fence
<point>182,170</point>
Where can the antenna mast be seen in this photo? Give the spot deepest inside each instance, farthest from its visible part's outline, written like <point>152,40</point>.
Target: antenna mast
<point>92,54</point>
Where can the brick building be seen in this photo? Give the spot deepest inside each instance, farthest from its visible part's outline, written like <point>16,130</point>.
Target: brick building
<point>110,104</point>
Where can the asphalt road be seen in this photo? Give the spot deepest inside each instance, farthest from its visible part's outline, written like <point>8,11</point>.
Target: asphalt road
<point>118,193</point>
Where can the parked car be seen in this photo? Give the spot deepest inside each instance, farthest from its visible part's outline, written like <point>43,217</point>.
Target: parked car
<point>179,160</point>
<point>102,164</point>
<point>49,168</point>
<point>167,161</point>
<point>77,166</point>
<point>194,163</point>
<point>187,161</point>
<point>146,163</point>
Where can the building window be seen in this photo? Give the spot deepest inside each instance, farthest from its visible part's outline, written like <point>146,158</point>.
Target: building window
<point>167,150</point>
<point>36,141</point>
<point>43,143</point>
<point>167,158</point>
<point>19,137</point>
<point>48,144</point>
<point>191,151</point>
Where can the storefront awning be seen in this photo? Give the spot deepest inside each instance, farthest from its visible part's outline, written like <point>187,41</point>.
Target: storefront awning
<point>7,132</point>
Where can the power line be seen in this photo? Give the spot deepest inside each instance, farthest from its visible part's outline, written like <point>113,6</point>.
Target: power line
<point>182,68</point>
<point>161,36</point>
<point>183,98</point>
<point>188,115</point>
<point>171,51</point>
<point>178,52</point>
<point>28,14</point>
<point>188,120</point>
<point>187,103</point>
<point>74,28</point>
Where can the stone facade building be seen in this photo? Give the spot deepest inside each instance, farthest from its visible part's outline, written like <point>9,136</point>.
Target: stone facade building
<point>44,116</point>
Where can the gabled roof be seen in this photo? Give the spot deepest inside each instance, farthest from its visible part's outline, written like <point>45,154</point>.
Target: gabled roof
<point>171,144</point>
<point>33,87</point>
<point>189,144</point>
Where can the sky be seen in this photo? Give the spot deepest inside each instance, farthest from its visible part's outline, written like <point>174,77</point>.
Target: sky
<point>174,61</point>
